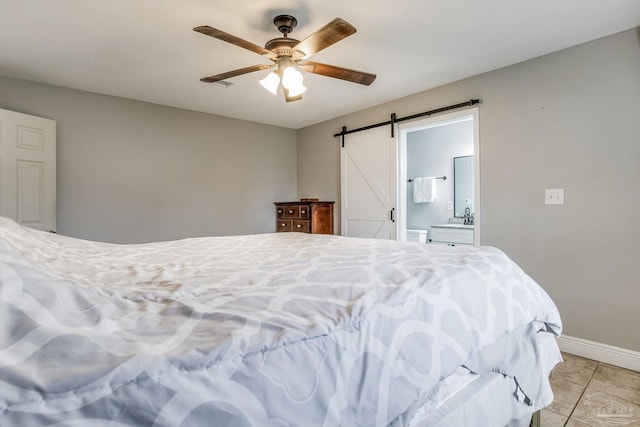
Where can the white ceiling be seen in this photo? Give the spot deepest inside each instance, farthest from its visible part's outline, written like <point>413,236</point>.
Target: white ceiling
<point>146,49</point>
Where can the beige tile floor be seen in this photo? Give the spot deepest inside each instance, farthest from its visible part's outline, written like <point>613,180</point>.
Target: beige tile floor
<point>592,394</point>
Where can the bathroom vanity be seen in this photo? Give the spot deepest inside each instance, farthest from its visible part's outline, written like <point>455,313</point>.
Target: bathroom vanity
<point>453,234</point>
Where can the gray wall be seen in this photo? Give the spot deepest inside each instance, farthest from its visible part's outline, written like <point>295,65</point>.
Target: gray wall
<point>130,171</point>
<point>430,152</point>
<point>570,119</point>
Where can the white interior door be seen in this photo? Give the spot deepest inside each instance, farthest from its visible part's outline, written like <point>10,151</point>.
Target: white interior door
<point>28,170</point>
<point>368,168</point>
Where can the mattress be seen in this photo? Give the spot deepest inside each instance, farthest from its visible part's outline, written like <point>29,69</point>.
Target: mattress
<point>281,329</point>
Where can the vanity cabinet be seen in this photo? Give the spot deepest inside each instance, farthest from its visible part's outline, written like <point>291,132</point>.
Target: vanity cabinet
<point>452,234</point>
<point>305,217</point>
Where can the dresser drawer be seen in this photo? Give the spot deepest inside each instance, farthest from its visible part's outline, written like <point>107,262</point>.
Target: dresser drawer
<point>291,211</point>
<point>284,225</point>
<point>301,226</point>
<point>304,211</point>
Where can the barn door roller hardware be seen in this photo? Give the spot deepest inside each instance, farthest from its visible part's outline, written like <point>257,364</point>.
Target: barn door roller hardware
<point>395,120</point>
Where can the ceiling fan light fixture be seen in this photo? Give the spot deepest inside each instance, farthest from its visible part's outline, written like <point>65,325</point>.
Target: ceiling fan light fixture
<point>297,90</point>
<point>291,78</point>
<point>271,82</point>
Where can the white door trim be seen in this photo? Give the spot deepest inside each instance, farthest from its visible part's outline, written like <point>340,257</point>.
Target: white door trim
<point>430,122</point>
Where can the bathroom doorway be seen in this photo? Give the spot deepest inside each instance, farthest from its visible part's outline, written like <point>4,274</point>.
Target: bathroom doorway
<point>433,199</point>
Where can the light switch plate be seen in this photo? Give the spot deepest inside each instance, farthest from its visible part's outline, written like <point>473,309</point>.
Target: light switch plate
<point>554,196</point>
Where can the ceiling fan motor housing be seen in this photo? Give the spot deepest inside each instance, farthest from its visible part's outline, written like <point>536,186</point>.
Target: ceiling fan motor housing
<point>282,46</point>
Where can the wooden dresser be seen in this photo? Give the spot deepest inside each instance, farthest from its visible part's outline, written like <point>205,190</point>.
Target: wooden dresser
<point>305,217</point>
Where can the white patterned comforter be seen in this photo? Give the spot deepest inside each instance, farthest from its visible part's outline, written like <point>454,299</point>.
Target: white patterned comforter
<point>271,330</point>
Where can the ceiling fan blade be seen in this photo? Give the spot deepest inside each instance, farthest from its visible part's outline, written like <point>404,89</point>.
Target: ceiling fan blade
<point>229,38</point>
<point>331,33</point>
<point>234,73</point>
<point>290,98</point>
<point>339,73</point>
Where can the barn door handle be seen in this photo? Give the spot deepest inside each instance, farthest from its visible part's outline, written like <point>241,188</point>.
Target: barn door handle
<point>391,215</point>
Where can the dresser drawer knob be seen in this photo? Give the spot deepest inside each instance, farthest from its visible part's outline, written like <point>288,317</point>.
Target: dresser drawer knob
<point>303,211</point>
<point>283,225</point>
<point>299,225</point>
<point>279,210</point>
<point>290,211</point>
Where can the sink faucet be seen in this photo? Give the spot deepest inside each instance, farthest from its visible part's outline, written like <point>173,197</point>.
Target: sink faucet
<point>468,216</point>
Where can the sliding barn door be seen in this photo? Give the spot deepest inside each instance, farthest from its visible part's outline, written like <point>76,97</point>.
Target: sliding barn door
<point>28,170</point>
<point>368,164</point>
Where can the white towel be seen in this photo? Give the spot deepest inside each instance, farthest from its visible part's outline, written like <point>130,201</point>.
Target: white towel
<point>424,189</point>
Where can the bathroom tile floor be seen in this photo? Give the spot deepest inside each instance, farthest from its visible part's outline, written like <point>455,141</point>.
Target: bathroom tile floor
<point>592,394</point>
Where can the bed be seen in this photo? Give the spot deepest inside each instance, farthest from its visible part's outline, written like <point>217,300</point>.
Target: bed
<point>281,329</point>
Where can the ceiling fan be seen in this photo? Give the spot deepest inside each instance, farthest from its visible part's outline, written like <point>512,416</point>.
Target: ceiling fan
<point>288,55</point>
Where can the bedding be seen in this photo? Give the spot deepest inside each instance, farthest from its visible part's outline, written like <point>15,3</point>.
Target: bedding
<point>470,399</point>
<point>282,329</point>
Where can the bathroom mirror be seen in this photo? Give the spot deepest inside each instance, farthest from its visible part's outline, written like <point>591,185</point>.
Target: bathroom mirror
<point>462,185</point>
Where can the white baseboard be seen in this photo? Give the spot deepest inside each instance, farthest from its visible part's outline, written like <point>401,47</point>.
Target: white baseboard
<point>617,356</point>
